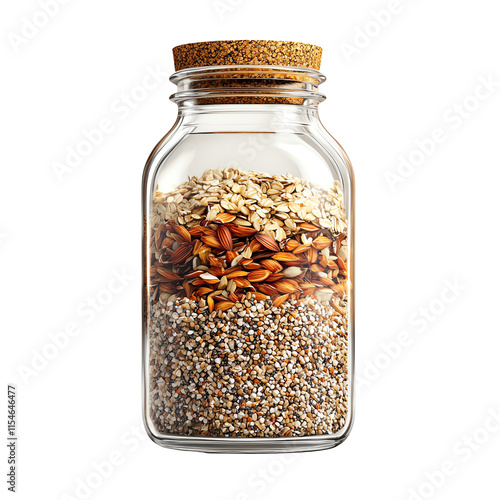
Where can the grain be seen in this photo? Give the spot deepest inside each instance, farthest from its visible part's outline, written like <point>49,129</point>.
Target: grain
<point>218,373</point>
<point>248,323</point>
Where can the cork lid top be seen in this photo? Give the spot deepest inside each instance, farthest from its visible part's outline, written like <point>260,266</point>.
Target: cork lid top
<point>247,52</point>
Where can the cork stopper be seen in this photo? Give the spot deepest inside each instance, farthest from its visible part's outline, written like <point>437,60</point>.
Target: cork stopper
<point>247,52</point>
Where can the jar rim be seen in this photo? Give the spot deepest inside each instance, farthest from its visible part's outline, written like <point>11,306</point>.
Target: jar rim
<point>239,84</point>
<point>265,72</point>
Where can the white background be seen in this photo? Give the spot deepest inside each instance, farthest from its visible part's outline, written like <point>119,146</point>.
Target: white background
<point>62,238</point>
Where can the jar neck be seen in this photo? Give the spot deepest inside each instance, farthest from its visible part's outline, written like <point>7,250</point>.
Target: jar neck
<point>258,86</point>
<point>247,118</point>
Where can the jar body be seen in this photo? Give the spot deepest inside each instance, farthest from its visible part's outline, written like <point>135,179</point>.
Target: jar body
<point>248,282</point>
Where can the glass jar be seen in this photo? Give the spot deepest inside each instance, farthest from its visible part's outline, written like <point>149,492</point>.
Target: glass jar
<point>248,258</point>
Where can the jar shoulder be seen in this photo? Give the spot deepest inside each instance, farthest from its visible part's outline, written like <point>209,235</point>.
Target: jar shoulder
<point>307,151</point>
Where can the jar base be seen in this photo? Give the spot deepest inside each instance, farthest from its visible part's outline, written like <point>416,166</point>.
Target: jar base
<point>252,445</point>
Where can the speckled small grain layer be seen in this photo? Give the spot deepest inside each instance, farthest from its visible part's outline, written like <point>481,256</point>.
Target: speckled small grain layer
<point>256,370</point>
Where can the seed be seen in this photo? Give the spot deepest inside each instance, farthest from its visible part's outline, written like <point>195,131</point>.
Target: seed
<point>247,253</point>
<point>182,231</point>
<point>236,274</point>
<point>285,287</point>
<point>196,231</point>
<point>212,242</point>
<point>215,262</point>
<point>231,255</point>
<point>255,246</point>
<point>325,292</point>
<point>187,288</point>
<point>279,300</point>
<point>268,242</point>
<point>209,278</point>
<point>312,255</point>
<point>323,261</point>
<point>282,208</point>
<point>242,282</point>
<point>240,221</point>
<point>292,272</point>
<point>158,235</point>
<point>321,242</point>
<point>198,247</point>
<point>326,281</point>
<point>176,238</point>
<point>260,275</point>
<point>225,238</point>
<point>181,253</point>
<point>168,274</point>
<point>210,303</point>
<point>267,289</point>
<point>308,227</point>
<point>240,231</point>
<point>338,288</point>
<point>291,244</point>
<point>249,264</point>
<point>280,234</point>
<point>236,260</point>
<point>167,242</point>
<point>225,218</point>
<point>284,256</point>
<point>223,283</point>
<point>224,305</point>
<point>316,268</point>
<point>302,248</point>
<point>271,265</point>
<point>341,264</point>
<point>216,271</point>
<point>275,277</point>
<point>193,274</point>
